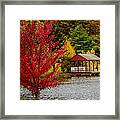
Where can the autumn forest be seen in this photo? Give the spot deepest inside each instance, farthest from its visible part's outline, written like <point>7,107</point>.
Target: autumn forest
<point>48,46</point>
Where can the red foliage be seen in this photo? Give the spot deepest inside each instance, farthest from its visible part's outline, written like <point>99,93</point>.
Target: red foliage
<point>37,55</point>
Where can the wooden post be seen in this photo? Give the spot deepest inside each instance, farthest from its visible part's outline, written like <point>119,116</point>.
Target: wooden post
<point>97,65</point>
<point>89,66</point>
<point>85,65</point>
<point>93,65</point>
<point>82,63</point>
<point>77,63</point>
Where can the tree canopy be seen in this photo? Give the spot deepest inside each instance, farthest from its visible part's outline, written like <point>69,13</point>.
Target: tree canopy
<point>84,35</point>
<point>37,55</point>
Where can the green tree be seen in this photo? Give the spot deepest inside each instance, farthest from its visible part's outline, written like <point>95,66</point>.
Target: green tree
<point>82,41</point>
<point>92,27</point>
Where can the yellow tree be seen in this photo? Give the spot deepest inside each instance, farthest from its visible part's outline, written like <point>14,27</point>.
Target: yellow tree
<point>90,52</point>
<point>70,52</point>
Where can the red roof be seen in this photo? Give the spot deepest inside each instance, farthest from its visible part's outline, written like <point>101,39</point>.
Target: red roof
<point>84,57</point>
<point>78,58</point>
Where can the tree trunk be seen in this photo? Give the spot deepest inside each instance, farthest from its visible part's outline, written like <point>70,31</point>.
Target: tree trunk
<point>36,95</point>
<point>53,68</point>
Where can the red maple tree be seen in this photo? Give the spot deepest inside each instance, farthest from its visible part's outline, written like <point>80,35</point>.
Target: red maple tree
<point>37,55</point>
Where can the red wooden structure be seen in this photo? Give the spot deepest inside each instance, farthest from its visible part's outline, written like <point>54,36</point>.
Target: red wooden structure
<point>85,64</point>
